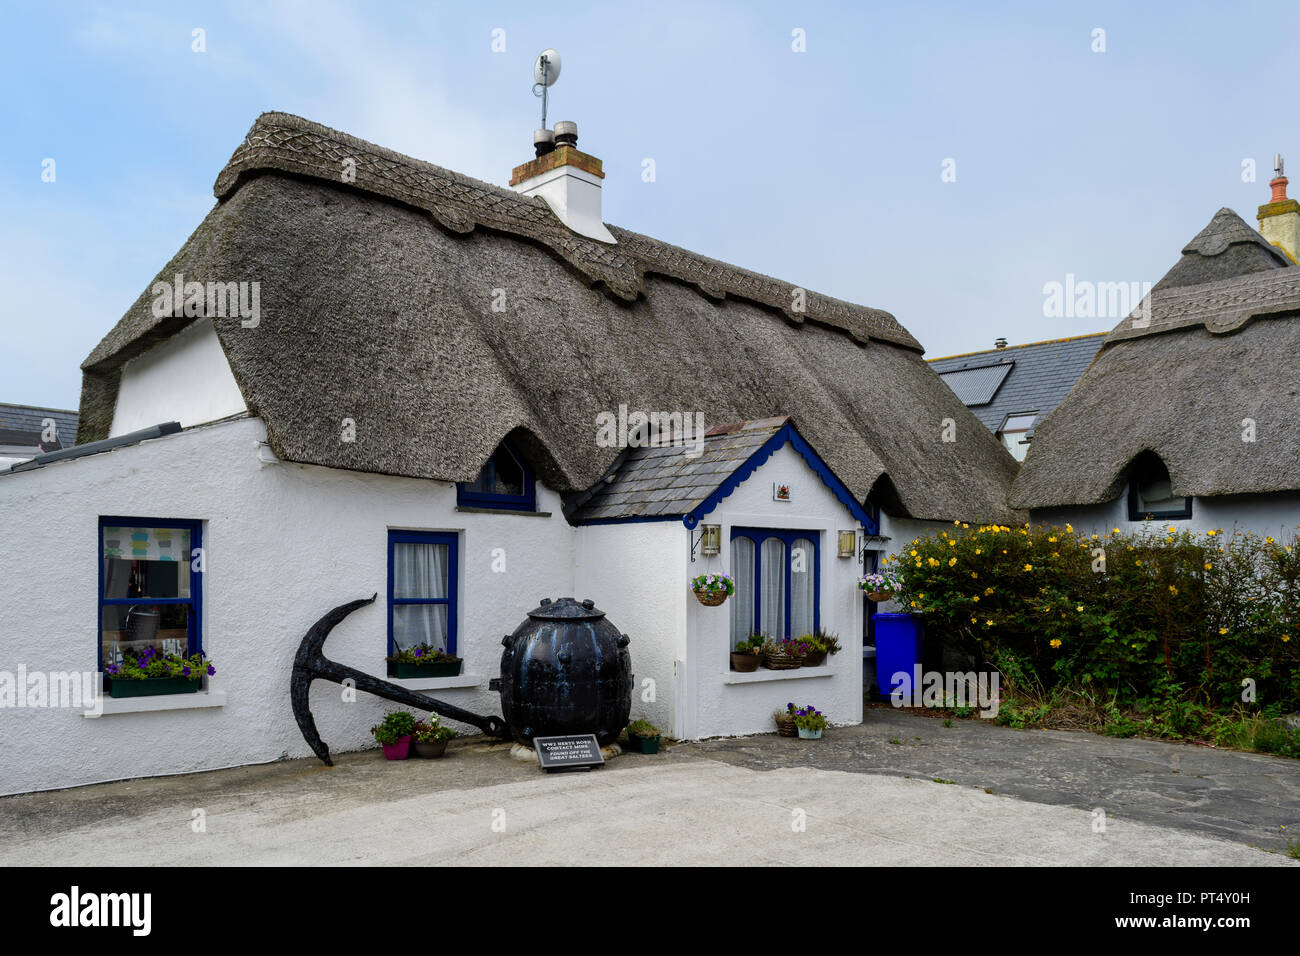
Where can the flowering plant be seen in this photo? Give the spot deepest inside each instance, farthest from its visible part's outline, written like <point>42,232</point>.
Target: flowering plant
<point>821,641</point>
<point>430,730</point>
<point>751,645</point>
<point>713,582</point>
<point>396,725</point>
<point>424,653</point>
<point>886,580</point>
<point>789,646</point>
<point>809,717</point>
<point>148,663</point>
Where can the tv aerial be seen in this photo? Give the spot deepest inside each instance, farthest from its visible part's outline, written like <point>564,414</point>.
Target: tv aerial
<point>545,72</point>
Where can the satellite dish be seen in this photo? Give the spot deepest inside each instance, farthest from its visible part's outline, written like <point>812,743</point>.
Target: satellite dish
<point>547,68</point>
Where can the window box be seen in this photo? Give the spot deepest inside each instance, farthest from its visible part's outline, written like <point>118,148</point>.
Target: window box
<point>153,686</point>
<point>406,671</point>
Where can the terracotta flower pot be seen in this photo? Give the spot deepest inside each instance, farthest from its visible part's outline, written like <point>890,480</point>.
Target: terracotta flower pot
<point>398,751</point>
<point>745,663</point>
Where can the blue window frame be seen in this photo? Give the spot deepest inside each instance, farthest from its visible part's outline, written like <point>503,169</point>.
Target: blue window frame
<point>778,583</point>
<point>150,586</point>
<point>505,482</point>
<point>422,606</point>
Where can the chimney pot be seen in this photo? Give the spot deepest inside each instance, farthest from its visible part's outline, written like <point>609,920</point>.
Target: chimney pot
<point>566,133</point>
<point>1279,218</point>
<point>543,141</point>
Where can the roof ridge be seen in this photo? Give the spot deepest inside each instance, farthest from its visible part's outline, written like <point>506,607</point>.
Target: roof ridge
<point>1022,345</point>
<point>286,143</point>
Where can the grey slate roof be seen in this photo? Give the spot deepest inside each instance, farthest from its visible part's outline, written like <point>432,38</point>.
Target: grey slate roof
<point>28,419</point>
<point>664,481</point>
<point>377,306</point>
<point>1024,378</point>
<point>1182,384</point>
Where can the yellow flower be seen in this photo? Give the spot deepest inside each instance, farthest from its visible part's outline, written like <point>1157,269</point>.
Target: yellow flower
<point>932,562</point>
<point>974,620</point>
<point>952,542</point>
<point>1056,554</point>
<point>1053,538</point>
<point>951,562</point>
<point>1029,567</point>
<point>1079,608</point>
<point>988,591</point>
<point>914,552</point>
<point>1223,630</point>
<point>913,604</point>
<point>974,574</point>
<point>1137,560</point>
<point>1172,529</point>
<point>1055,642</point>
<point>1069,528</point>
<point>956,521</point>
<point>1209,567</point>
<point>1269,540</point>
<point>975,598</point>
<point>979,550</point>
<point>1285,638</point>
<point>964,525</point>
<point>1135,645</point>
<point>1211,534</point>
<point>1172,589</point>
<point>988,623</point>
<point>1114,530</point>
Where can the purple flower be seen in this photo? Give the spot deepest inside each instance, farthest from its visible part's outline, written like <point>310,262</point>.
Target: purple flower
<point>211,670</point>
<point>185,671</point>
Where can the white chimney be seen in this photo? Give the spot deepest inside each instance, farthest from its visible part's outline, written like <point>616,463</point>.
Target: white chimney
<point>567,179</point>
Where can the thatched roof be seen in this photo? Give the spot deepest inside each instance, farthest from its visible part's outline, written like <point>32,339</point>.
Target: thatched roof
<point>376,299</point>
<point>1182,381</point>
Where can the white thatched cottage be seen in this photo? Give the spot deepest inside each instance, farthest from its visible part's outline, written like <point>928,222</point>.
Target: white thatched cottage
<point>1190,413</point>
<point>363,373</point>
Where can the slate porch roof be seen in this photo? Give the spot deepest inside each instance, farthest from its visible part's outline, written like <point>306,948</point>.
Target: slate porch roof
<point>665,482</point>
<point>1019,378</point>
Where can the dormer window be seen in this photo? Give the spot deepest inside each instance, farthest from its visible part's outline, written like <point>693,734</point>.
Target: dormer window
<point>1014,433</point>
<point>1150,491</point>
<point>505,483</point>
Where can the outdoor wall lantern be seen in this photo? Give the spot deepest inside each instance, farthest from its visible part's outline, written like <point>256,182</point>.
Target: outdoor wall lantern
<point>848,543</point>
<point>711,539</point>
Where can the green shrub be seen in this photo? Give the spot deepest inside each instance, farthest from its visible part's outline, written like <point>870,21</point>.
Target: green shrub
<point>1168,622</point>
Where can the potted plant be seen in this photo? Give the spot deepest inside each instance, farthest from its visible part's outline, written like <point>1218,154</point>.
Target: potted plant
<point>748,654</point>
<point>643,736</point>
<point>879,585</point>
<point>394,734</point>
<point>810,721</point>
<point>785,725</point>
<point>147,673</point>
<point>429,738</point>
<point>820,644</point>
<point>713,588</point>
<point>785,654</point>
<point>423,660</point>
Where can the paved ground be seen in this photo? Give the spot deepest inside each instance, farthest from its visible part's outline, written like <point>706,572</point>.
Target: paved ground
<point>846,799</point>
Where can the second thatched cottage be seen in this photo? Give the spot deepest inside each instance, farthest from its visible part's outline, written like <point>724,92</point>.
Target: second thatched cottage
<point>1190,413</point>
<point>363,373</point>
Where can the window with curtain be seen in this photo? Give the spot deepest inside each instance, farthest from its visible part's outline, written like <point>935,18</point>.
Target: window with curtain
<point>1150,494</point>
<point>421,590</point>
<point>149,587</point>
<point>505,482</point>
<point>778,587</point>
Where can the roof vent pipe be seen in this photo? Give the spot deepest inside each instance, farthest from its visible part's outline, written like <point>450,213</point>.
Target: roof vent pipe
<point>543,141</point>
<point>1000,343</point>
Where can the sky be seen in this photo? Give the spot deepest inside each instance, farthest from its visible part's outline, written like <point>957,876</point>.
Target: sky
<point>942,161</point>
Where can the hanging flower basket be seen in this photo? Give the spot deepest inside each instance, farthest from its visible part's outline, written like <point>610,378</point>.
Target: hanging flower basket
<point>879,586</point>
<point>711,590</point>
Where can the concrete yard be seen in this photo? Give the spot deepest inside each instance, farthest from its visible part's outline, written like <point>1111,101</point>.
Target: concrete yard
<point>863,795</point>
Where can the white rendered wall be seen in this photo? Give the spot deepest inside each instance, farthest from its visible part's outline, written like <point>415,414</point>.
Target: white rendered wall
<point>1277,515</point>
<point>185,378</point>
<point>285,543</point>
<point>633,571</point>
<point>716,708</point>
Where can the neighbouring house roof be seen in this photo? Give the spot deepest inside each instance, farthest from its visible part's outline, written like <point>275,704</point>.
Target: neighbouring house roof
<point>20,424</point>
<point>1019,378</point>
<point>1213,346</point>
<point>377,305</point>
<point>665,482</point>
